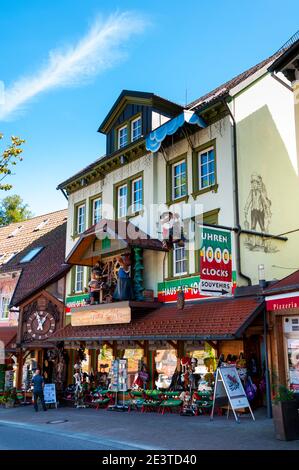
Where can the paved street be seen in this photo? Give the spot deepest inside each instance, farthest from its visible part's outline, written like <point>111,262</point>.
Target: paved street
<point>22,428</point>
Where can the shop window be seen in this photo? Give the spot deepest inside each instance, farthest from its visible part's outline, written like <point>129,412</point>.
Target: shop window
<point>136,129</point>
<point>166,363</point>
<point>179,180</point>
<point>85,364</point>
<point>134,357</point>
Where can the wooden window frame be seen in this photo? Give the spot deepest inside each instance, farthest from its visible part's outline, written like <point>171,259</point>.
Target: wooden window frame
<point>169,180</point>
<point>91,207</point>
<point>75,225</point>
<point>197,190</point>
<point>128,182</point>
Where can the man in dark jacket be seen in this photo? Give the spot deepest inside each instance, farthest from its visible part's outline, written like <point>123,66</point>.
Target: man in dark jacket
<point>38,390</point>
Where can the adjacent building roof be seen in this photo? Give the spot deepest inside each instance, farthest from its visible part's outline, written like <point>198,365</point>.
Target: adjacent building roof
<point>17,237</point>
<point>208,319</point>
<point>47,232</point>
<point>287,284</point>
<point>8,334</point>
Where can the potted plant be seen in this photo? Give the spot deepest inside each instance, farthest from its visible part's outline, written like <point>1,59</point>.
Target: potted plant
<point>285,415</point>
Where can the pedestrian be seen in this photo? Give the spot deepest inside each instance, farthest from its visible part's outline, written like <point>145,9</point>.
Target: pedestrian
<point>38,390</point>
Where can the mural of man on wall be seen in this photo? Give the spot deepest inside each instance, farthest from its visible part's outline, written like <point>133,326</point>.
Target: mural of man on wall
<point>258,209</point>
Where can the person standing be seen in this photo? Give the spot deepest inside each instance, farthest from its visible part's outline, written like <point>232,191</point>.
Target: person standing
<point>38,390</point>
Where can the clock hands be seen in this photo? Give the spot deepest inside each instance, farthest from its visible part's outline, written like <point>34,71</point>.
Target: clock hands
<point>40,325</point>
<point>44,319</point>
<point>40,321</point>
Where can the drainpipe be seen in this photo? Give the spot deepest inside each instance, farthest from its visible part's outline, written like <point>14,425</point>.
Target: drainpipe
<point>237,208</point>
<point>267,374</point>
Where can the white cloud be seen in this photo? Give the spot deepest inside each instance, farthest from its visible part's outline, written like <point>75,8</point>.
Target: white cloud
<point>98,50</point>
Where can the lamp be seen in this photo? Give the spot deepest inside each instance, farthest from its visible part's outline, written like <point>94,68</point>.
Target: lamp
<point>261,275</point>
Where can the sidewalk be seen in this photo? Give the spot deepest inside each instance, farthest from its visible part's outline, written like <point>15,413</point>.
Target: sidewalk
<point>151,430</point>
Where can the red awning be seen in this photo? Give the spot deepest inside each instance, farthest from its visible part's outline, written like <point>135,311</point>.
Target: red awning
<point>207,319</point>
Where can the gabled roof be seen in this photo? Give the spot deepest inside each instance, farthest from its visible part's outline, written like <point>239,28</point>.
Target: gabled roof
<point>121,230</point>
<point>135,97</point>
<point>287,284</point>
<point>208,319</point>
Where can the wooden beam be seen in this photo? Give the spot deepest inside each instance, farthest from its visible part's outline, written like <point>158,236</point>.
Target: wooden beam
<point>173,344</point>
<point>212,344</point>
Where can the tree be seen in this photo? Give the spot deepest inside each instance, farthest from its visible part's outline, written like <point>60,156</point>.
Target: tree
<point>8,159</point>
<point>12,209</point>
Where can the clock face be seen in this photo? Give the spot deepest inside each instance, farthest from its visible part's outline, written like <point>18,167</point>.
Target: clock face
<point>40,325</point>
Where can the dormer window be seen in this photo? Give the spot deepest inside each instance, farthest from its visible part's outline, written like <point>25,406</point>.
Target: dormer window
<point>122,136</point>
<point>136,129</point>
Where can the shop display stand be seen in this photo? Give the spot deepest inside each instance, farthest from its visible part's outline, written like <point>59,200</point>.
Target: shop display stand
<point>119,383</point>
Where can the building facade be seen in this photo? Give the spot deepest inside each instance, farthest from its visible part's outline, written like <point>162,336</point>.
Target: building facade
<point>211,170</point>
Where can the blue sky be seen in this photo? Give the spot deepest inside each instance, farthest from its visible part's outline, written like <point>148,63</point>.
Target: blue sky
<point>167,47</point>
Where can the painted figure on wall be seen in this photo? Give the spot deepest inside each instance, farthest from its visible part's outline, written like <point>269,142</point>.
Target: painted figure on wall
<point>257,215</point>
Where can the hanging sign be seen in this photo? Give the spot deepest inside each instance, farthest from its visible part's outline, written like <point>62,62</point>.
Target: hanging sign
<point>50,393</point>
<point>216,272</point>
<point>168,290</point>
<point>228,384</point>
<point>103,314</point>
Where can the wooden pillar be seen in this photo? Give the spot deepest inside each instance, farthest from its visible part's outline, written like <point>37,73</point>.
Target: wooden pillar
<point>280,350</point>
<point>70,371</point>
<point>20,369</point>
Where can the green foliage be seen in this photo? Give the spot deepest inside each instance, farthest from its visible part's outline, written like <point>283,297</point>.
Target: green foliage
<point>8,159</point>
<point>283,394</point>
<point>12,209</point>
<point>138,273</point>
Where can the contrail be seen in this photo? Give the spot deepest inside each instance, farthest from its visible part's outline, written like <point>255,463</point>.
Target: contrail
<point>98,50</point>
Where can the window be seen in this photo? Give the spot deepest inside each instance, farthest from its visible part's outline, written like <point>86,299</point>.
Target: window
<point>31,254</point>
<point>136,129</point>
<point>179,178</point>
<point>4,310</point>
<point>96,210</point>
<point>179,260</point>
<point>10,257</point>
<point>206,162</point>
<point>41,225</point>
<point>137,195</point>
<point>15,232</point>
<point>79,276</point>
<point>122,200</point>
<point>122,137</point>
<point>80,226</point>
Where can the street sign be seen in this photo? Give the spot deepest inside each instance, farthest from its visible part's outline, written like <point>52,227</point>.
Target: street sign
<point>228,384</point>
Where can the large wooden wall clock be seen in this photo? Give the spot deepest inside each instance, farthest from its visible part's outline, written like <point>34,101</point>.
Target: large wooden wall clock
<point>40,324</point>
